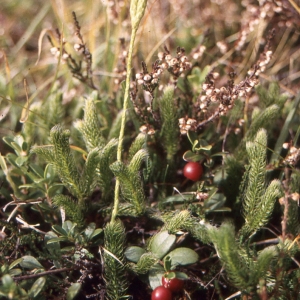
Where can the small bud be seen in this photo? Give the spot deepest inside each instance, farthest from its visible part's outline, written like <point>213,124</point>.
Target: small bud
<point>138,75</point>
<point>54,50</point>
<point>183,59</point>
<point>215,75</point>
<point>173,61</point>
<point>181,121</point>
<point>65,56</point>
<point>209,92</point>
<point>160,55</point>
<point>205,86</point>
<point>164,65</point>
<point>203,98</point>
<point>191,121</point>
<point>143,129</point>
<point>77,47</point>
<point>147,77</point>
<point>285,145</point>
<point>168,57</point>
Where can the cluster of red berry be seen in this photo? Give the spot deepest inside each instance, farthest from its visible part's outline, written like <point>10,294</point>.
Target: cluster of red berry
<point>169,286</point>
<point>193,171</point>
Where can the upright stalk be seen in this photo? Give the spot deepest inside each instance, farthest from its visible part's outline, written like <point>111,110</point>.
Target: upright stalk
<point>137,10</point>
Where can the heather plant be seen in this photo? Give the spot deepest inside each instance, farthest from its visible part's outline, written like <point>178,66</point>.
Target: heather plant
<point>149,141</point>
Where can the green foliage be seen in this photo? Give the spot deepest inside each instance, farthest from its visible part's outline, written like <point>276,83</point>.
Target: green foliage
<point>132,190</point>
<point>145,263</point>
<point>138,144</point>
<point>178,221</point>
<point>130,180</point>
<point>270,96</point>
<point>71,208</point>
<point>104,174</point>
<point>96,101</point>
<point>90,126</point>
<point>114,264</point>
<point>261,119</point>
<point>200,233</point>
<point>59,154</point>
<point>244,274</point>
<point>258,201</point>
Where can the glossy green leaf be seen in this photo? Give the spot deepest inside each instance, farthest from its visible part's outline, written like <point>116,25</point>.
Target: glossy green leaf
<point>7,280</point>
<point>73,290</point>
<point>67,249</point>
<point>58,229</point>
<point>89,230</point>
<point>54,189</point>
<point>96,232</point>
<point>37,170</point>
<point>134,253</point>
<point>14,263</point>
<point>183,256</point>
<point>214,202</point>
<point>68,226</point>
<point>49,172</point>
<point>53,247</point>
<point>20,161</point>
<point>37,287</point>
<point>15,272</point>
<point>192,156</point>
<point>162,243</point>
<point>30,262</point>
<point>181,275</point>
<point>8,140</point>
<point>58,239</point>
<point>180,198</point>
<point>16,147</point>
<point>155,275</point>
<point>167,263</point>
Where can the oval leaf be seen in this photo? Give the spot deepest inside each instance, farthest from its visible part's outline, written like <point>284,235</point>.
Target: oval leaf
<point>181,275</point>
<point>56,240</point>
<point>155,275</point>
<point>73,290</point>
<point>37,287</point>
<point>89,230</point>
<point>53,247</point>
<point>183,256</point>
<point>29,262</point>
<point>68,226</point>
<point>58,229</point>
<point>14,263</point>
<point>134,253</point>
<point>15,272</point>
<point>7,281</point>
<point>96,232</point>
<point>192,156</point>
<point>162,243</point>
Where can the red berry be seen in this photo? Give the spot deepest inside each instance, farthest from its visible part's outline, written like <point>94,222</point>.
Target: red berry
<point>173,284</point>
<point>161,293</point>
<point>193,171</point>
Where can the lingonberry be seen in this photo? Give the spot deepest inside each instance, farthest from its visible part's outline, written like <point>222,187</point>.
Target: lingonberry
<point>173,284</point>
<point>193,171</point>
<point>161,293</point>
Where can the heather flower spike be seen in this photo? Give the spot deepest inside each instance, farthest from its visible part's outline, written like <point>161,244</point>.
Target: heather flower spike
<point>137,10</point>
